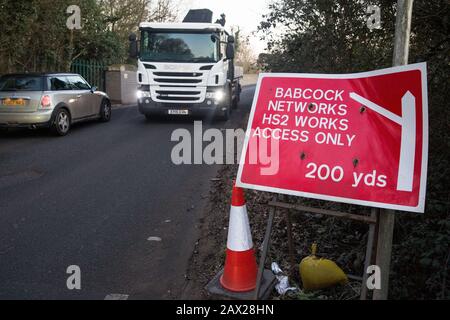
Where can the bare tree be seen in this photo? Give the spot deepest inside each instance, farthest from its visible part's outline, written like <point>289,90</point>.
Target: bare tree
<point>124,16</point>
<point>163,11</point>
<point>245,56</point>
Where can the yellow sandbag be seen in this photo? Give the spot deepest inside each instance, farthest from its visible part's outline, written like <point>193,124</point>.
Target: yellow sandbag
<point>318,273</point>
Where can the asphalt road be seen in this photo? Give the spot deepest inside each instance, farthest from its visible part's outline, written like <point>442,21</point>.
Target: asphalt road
<point>93,199</point>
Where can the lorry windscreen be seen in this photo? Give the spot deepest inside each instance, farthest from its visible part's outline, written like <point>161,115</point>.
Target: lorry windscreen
<point>178,47</point>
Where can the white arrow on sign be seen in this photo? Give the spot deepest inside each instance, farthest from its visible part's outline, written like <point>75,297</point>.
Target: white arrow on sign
<point>408,143</point>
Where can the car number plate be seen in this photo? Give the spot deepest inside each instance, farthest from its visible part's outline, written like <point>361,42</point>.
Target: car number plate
<point>13,102</point>
<point>179,112</point>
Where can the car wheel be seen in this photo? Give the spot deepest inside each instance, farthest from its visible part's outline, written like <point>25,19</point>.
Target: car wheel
<point>105,111</point>
<point>61,124</point>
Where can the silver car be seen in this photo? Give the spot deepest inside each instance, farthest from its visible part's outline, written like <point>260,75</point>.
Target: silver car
<point>52,100</point>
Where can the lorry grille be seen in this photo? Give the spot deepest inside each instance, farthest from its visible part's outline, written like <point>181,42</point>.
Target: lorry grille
<point>178,94</point>
<point>168,80</point>
<point>170,95</point>
<point>177,74</point>
<point>182,93</point>
<point>178,99</point>
<point>178,87</point>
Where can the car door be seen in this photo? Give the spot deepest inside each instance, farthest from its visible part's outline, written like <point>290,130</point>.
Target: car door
<point>85,97</point>
<point>95,99</point>
<point>64,93</point>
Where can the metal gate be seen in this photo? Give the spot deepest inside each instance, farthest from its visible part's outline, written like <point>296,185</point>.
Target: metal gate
<point>92,71</point>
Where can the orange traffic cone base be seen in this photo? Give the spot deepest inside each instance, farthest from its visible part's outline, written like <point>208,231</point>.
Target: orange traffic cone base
<point>240,271</point>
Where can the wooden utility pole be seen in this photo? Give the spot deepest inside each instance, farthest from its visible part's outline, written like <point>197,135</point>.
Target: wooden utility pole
<point>402,32</point>
<point>387,217</point>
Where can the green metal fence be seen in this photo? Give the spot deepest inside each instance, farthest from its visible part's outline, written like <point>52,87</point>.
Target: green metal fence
<point>92,71</point>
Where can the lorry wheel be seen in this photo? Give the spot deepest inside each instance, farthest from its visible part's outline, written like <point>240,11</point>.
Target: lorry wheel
<point>227,113</point>
<point>237,99</point>
<point>235,103</point>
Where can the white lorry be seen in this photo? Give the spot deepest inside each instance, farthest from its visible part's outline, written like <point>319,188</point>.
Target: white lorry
<point>186,68</point>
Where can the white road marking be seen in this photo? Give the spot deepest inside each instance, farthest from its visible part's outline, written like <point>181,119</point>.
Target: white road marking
<point>115,296</point>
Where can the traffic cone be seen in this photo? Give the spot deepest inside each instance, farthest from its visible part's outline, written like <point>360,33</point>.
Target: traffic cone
<point>240,265</point>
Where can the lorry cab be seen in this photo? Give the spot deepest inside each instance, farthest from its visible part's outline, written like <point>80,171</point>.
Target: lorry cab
<point>186,69</point>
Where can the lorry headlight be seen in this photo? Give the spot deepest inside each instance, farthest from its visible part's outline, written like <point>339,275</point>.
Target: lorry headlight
<point>142,94</point>
<point>218,95</point>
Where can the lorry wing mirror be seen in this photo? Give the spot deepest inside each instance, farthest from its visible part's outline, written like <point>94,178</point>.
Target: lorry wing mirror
<point>230,51</point>
<point>214,38</point>
<point>231,39</point>
<point>134,52</point>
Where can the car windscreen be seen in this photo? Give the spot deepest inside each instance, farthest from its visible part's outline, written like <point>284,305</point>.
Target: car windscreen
<point>21,83</point>
<point>178,47</point>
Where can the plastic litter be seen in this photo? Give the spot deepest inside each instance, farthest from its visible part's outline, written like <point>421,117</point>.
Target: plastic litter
<point>283,281</point>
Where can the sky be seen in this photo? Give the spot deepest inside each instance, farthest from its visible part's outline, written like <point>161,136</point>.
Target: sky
<point>247,14</point>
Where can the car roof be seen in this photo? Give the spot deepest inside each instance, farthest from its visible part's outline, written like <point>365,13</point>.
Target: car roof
<point>41,74</point>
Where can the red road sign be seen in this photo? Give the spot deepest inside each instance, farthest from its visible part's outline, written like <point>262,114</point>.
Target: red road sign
<point>356,138</point>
